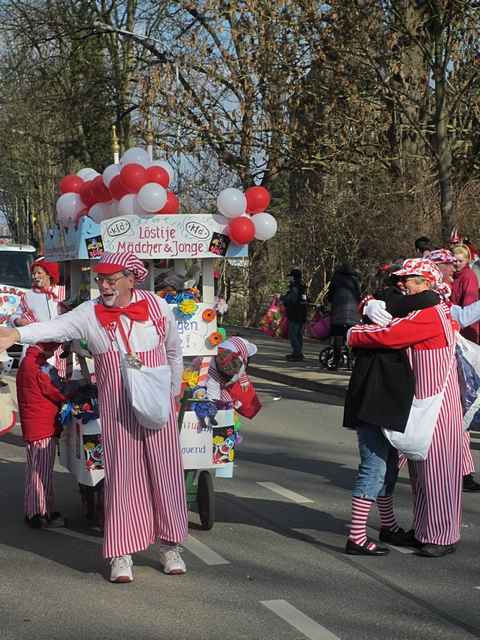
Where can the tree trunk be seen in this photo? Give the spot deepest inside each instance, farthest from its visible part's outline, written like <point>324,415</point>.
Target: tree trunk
<point>443,153</point>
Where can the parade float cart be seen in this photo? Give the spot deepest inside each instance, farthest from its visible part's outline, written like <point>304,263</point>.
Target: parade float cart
<point>171,241</point>
<point>129,208</point>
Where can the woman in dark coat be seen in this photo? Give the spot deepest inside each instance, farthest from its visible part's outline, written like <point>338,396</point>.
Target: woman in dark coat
<point>344,296</point>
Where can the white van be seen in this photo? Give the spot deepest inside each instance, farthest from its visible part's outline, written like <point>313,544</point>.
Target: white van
<point>15,279</point>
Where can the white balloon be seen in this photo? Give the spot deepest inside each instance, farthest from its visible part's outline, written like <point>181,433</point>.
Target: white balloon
<point>126,206</point>
<point>99,212</point>
<point>231,202</point>
<point>113,209</point>
<point>110,172</point>
<point>152,197</point>
<point>164,164</point>
<point>139,211</point>
<point>265,226</point>
<point>221,220</point>
<point>87,174</point>
<point>135,155</point>
<point>68,207</point>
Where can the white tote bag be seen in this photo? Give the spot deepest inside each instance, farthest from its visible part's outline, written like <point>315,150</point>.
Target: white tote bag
<point>415,441</point>
<point>148,389</point>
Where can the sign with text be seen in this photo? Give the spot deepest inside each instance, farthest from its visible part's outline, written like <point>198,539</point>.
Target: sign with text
<point>171,236</point>
<point>194,332</point>
<point>196,443</point>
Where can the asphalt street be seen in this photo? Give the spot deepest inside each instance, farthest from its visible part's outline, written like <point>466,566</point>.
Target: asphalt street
<point>272,567</point>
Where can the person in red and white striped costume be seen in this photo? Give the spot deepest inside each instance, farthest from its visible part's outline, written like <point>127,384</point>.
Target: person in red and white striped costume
<point>42,303</point>
<point>40,394</point>
<point>144,480</point>
<point>430,334</point>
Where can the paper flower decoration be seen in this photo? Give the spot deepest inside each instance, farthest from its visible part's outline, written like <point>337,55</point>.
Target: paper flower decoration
<point>187,308</point>
<point>209,315</point>
<point>215,338</point>
<point>190,378</point>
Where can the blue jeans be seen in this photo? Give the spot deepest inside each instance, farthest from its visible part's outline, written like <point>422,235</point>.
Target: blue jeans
<point>378,468</point>
<point>295,335</point>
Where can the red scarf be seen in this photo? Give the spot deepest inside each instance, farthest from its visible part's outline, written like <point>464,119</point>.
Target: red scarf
<point>48,291</point>
<point>137,311</point>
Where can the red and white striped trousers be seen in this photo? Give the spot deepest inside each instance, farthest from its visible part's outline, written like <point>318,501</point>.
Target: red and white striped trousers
<point>468,464</point>
<point>39,494</point>
<point>144,496</point>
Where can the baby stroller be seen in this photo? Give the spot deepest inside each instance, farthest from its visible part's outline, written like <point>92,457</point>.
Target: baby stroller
<point>337,355</point>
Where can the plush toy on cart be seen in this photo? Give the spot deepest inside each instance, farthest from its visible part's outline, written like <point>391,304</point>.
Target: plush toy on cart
<point>228,379</point>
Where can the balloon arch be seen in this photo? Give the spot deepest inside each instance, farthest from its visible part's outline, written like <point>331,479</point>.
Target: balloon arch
<point>139,186</point>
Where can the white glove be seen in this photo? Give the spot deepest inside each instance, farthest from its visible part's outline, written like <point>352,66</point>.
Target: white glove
<point>377,312</point>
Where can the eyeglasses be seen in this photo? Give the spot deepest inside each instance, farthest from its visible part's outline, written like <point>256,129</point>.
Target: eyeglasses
<point>110,281</point>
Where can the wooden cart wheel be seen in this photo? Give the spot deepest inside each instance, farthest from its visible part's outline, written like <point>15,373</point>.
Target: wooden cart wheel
<point>206,500</point>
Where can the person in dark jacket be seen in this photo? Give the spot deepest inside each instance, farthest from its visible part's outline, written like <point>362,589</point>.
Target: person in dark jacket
<point>295,303</point>
<point>380,394</point>
<point>344,296</point>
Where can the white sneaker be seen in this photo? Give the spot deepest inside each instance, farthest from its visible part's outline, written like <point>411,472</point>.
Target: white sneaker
<point>121,569</point>
<point>171,560</point>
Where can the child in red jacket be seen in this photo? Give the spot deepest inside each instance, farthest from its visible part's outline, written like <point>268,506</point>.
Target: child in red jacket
<point>40,394</point>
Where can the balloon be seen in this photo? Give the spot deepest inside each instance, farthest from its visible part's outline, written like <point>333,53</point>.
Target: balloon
<point>110,172</point>
<point>113,206</point>
<point>221,220</point>
<point>141,212</point>
<point>100,191</point>
<point>231,202</point>
<point>152,197</point>
<point>81,215</point>
<point>87,174</point>
<point>241,230</point>
<point>135,155</point>
<point>164,165</point>
<point>87,195</point>
<point>99,212</point>
<point>258,199</point>
<point>117,188</point>
<point>126,206</point>
<point>71,184</point>
<point>159,175</point>
<point>68,207</point>
<point>172,205</point>
<point>133,177</point>
<point>265,226</point>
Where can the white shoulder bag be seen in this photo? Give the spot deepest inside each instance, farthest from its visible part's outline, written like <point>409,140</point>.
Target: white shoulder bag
<point>415,441</point>
<point>148,388</point>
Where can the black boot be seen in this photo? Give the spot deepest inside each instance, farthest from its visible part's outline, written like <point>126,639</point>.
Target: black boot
<point>469,484</point>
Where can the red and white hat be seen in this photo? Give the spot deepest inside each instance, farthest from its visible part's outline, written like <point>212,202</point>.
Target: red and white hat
<point>442,256</point>
<point>111,263</point>
<point>242,347</point>
<point>422,267</point>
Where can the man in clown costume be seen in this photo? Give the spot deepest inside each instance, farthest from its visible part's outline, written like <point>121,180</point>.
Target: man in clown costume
<point>144,482</point>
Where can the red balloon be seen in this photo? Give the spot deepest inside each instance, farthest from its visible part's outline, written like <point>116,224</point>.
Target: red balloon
<point>87,195</point>
<point>172,204</point>
<point>258,199</point>
<point>158,175</point>
<point>241,230</point>
<point>133,177</point>
<point>117,188</point>
<point>100,191</point>
<point>71,184</point>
